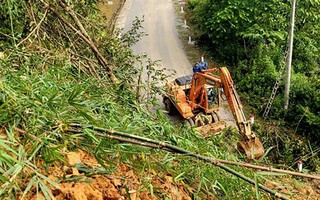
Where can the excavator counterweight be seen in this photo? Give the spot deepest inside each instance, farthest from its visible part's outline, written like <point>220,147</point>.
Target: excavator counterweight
<point>198,99</point>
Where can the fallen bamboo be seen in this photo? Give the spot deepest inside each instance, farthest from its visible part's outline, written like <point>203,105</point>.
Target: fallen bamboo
<point>174,149</point>
<point>37,27</point>
<point>247,165</point>
<point>269,168</point>
<point>203,158</point>
<point>87,39</point>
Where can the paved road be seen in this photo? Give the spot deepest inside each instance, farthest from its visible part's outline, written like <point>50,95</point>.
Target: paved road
<point>162,42</point>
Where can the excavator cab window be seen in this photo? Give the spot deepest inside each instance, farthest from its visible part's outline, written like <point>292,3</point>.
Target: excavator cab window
<point>213,97</point>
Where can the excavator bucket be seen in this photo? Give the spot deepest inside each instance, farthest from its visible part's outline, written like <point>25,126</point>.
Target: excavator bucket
<point>252,148</point>
<point>211,129</point>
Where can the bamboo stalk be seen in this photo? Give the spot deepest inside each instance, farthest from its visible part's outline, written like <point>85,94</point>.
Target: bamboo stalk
<point>75,18</point>
<point>92,45</point>
<point>264,168</point>
<point>36,28</point>
<point>269,168</point>
<point>88,40</point>
<point>174,149</point>
<point>121,139</point>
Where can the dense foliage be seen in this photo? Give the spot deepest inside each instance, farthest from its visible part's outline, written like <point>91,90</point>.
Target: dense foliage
<point>252,36</point>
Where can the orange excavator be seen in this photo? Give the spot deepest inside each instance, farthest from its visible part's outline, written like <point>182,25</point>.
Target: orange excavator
<point>198,99</point>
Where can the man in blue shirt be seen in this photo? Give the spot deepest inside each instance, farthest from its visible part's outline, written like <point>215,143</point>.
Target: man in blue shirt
<point>198,67</point>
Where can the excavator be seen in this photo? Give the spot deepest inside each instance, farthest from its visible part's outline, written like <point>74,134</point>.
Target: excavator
<point>198,99</point>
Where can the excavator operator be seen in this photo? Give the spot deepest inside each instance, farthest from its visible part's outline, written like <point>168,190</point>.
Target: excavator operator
<point>199,67</point>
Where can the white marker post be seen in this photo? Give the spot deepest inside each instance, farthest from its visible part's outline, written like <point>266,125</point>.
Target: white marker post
<point>202,58</point>
<point>185,24</point>
<point>190,41</point>
<point>300,166</point>
<point>181,10</point>
<point>252,119</point>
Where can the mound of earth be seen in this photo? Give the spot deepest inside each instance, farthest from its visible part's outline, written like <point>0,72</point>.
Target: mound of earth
<point>123,184</point>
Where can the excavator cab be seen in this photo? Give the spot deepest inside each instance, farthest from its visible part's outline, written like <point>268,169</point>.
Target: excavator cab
<point>213,97</point>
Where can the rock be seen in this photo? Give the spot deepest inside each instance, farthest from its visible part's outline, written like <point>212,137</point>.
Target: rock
<point>73,158</point>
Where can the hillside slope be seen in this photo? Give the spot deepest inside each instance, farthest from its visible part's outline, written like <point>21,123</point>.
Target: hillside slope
<point>57,63</point>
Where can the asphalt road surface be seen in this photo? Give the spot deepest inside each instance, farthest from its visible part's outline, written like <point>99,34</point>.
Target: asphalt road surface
<point>160,23</point>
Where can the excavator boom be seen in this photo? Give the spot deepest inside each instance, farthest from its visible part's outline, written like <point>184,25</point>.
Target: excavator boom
<point>250,144</point>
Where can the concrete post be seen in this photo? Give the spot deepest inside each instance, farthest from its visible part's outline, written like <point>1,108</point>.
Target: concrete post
<point>289,58</point>
<point>185,24</point>
<point>181,10</point>
<point>190,41</point>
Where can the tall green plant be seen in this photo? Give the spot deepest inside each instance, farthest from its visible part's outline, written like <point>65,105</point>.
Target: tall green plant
<point>14,22</point>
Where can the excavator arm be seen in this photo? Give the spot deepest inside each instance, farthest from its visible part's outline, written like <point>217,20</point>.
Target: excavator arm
<point>235,103</point>
<point>249,144</point>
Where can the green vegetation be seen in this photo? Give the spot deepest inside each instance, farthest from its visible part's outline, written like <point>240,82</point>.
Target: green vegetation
<point>52,76</point>
<point>251,37</point>
<point>37,108</point>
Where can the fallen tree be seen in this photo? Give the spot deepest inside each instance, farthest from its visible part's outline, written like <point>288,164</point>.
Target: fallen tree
<point>142,141</point>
